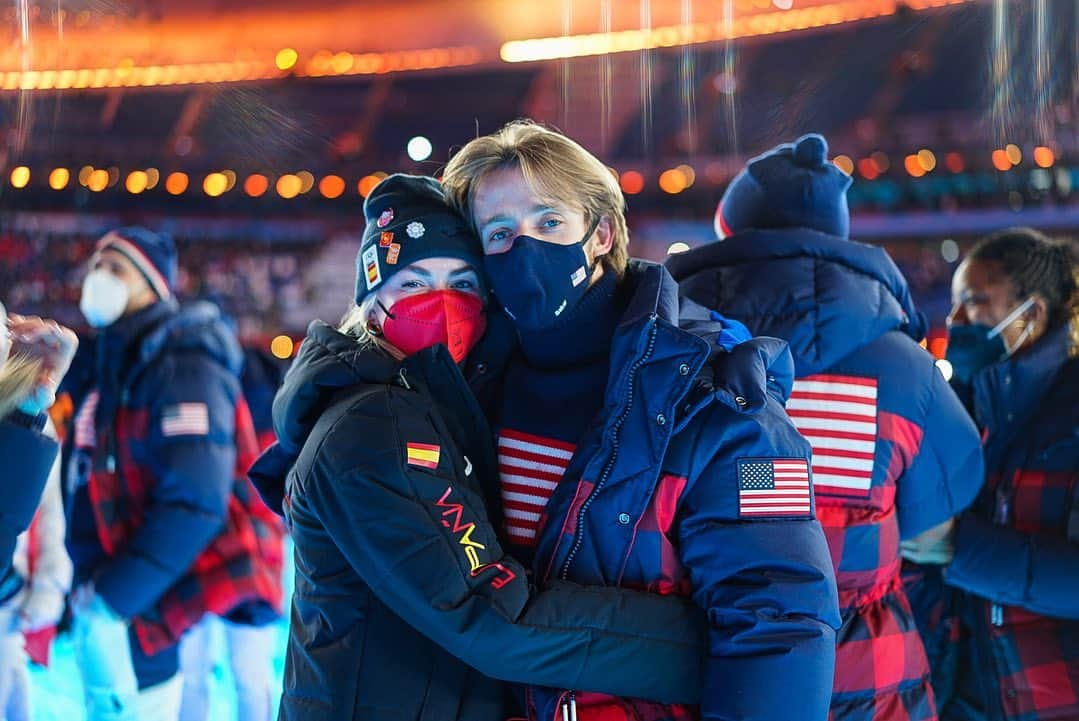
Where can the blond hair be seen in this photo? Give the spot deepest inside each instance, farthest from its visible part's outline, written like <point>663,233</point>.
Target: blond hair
<point>553,165</point>
<point>355,324</point>
<point>18,378</point>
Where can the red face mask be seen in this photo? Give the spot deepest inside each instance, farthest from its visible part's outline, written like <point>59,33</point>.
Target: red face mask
<point>450,317</point>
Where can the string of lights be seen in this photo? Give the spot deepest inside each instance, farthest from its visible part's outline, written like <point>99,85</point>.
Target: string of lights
<point>671,181</point>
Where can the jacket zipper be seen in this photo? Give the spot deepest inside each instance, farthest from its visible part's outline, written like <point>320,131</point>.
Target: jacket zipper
<point>996,610</point>
<point>609,466</point>
<point>568,700</point>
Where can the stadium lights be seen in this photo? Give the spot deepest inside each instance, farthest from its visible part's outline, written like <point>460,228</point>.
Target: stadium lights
<point>763,23</point>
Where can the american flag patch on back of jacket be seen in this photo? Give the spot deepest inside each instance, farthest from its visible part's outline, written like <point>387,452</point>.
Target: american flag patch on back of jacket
<point>773,487</point>
<point>530,468</point>
<point>838,416</point>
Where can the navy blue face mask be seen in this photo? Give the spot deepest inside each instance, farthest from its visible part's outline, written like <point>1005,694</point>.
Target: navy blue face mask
<point>538,282</point>
<point>976,346</point>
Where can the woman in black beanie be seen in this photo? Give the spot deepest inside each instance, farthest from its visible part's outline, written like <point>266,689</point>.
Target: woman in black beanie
<point>406,607</point>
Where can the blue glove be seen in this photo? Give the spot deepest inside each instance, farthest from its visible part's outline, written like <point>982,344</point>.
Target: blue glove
<point>733,332</point>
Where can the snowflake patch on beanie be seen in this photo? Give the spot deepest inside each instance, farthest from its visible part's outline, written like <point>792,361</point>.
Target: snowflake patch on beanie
<point>415,229</point>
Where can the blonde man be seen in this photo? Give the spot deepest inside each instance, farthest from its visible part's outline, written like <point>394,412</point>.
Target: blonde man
<point>642,439</point>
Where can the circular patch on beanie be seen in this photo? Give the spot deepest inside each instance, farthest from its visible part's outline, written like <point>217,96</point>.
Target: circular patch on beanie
<point>385,219</point>
<point>415,229</point>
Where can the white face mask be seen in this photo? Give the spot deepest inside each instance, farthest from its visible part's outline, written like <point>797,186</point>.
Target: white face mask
<point>104,298</point>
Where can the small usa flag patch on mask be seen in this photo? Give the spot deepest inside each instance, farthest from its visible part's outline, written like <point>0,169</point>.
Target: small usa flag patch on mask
<point>578,276</point>
<point>186,419</point>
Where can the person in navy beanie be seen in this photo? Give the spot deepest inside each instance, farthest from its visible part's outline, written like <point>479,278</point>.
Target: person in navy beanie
<point>895,456</point>
<point>794,185</point>
<point>157,536</point>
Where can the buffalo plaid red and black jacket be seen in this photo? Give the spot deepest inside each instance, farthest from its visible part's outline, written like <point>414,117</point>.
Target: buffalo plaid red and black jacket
<point>894,452</point>
<point>1017,549</point>
<point>163,447</point>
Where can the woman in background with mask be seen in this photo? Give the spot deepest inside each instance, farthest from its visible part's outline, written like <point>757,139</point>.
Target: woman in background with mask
<point>405,606</point>
<point>1014,348</point>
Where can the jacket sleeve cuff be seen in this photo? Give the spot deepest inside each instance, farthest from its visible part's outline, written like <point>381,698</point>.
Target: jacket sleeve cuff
<point>793,684</point>
<point>990,561</point>
<point>130,585</point>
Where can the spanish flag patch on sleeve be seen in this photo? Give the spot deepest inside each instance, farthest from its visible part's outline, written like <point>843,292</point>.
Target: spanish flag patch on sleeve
<point>423,455</point>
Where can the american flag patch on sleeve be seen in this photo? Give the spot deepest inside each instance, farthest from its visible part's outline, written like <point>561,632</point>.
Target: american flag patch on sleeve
<point>773,487</point>
<point>186,419</point>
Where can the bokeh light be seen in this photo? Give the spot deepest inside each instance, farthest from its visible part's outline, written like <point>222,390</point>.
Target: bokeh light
<point>868,169</point>
<point>215,184</point>
<point>367,184</point>
<point>1015,155</point>
<point>688,174</point>
<point>927,160</point>
<point>949,250</point>
<point>256,185</point>
<point>20,176</point>
<point>176,183</point>
<point>419,148</point>
<point>1043,157</point>
<point>332,186</point>
<point>672,181</point>
<point>632,182</point>
<point>914,166</point>
<point>288,186</point>
<point>98,180</point>
<point>282,347</point>
<point>136,182</point>
<point>844,163</point>
<point>59,178</point>
<point>286,59</point>
<point>1001,161</point>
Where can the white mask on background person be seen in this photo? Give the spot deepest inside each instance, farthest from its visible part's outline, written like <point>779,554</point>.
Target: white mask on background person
<point>104,298</point>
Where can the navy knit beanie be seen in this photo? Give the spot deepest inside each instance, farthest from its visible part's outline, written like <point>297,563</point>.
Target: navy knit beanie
<point>154,254</point>
<point>408,219</point>
<point>791,186</point>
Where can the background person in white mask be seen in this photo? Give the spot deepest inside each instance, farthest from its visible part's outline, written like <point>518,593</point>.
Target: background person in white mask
<point>157,535</point>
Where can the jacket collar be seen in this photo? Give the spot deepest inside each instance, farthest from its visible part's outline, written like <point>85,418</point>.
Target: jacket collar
<point>1007,394</point>
<point>763,245</point>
